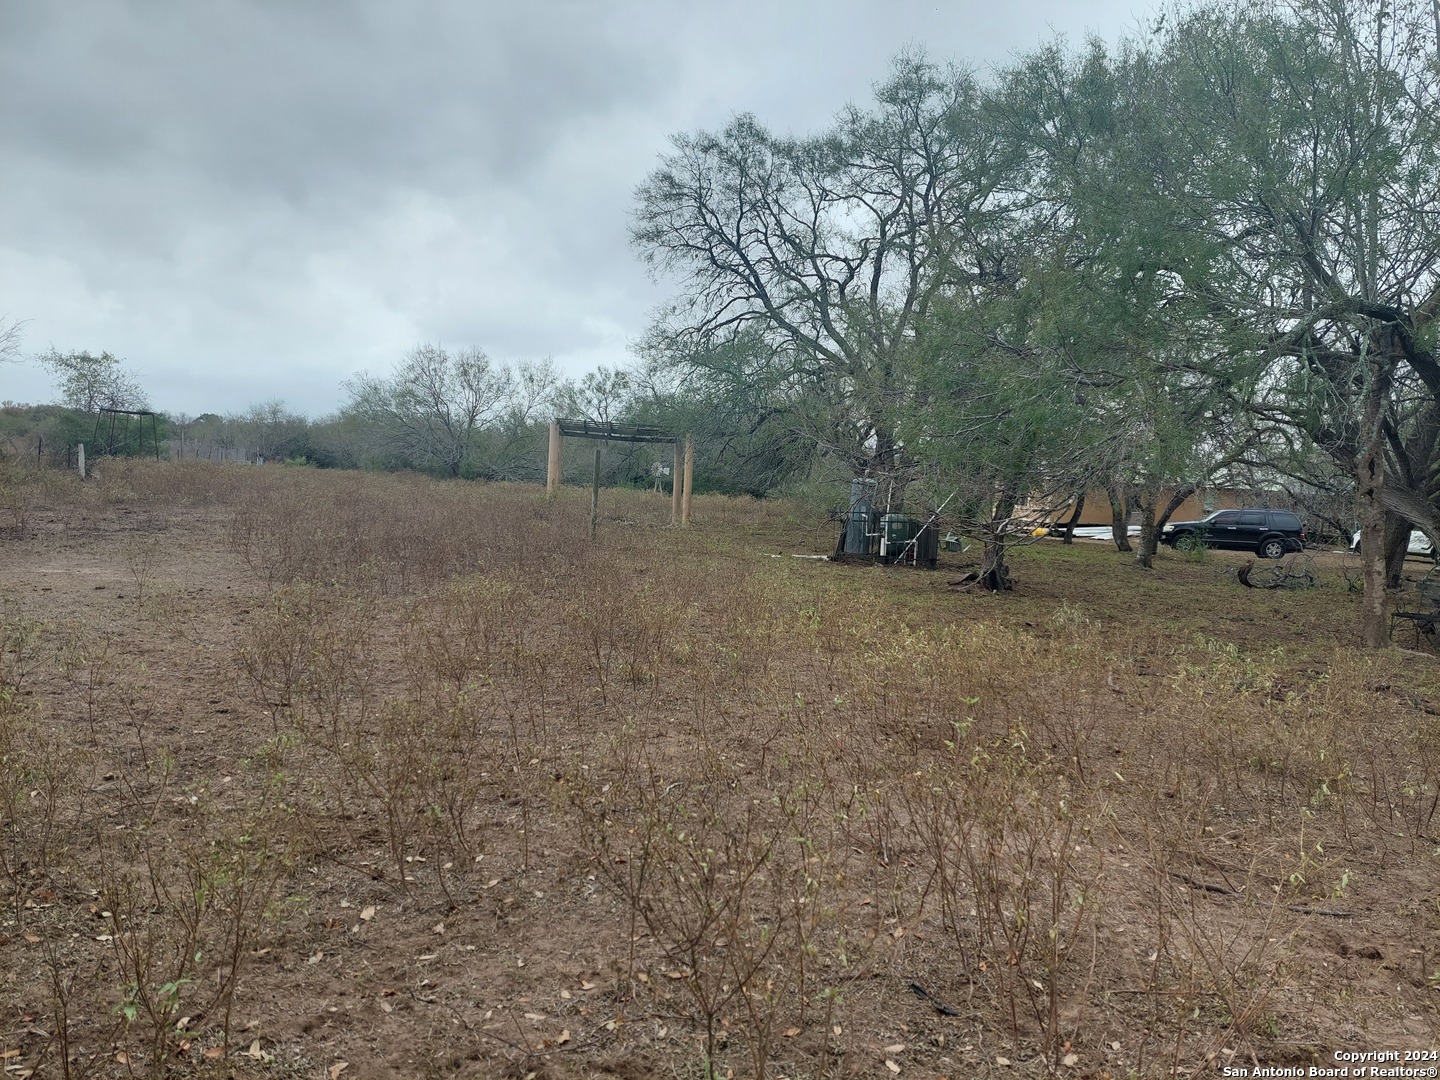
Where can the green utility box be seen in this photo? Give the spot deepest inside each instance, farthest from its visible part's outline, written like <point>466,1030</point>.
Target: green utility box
<point>898,530</point>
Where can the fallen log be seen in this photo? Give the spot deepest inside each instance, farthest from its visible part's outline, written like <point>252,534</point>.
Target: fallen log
<point>1295,573</point>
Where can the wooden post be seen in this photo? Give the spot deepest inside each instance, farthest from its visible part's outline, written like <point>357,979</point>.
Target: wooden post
<point>595,494</point>
<point>675,488</point>
<point>689,480</point>
<point>553,465</point>
<point>80,450</point>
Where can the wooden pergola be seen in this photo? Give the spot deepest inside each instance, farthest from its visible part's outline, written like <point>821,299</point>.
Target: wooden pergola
<point>599,431</point>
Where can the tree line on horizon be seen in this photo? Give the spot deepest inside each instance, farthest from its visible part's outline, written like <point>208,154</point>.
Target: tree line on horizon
<point>446,413</point>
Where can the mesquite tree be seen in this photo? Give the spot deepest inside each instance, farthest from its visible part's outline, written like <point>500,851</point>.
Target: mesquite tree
<point>1002,424</point>
<point>430,410</point>
<point>1112,278</point>
<point>1308,146</point>
<point>834,247</point>
<point>88,382</point>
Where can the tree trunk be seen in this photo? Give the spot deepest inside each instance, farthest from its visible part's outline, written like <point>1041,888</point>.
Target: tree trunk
<point>1397,546</point>
<point>1069,527</point>
<point>884,465</point>
<point>1370,481</point>
<point>1119,516</point>
<point>1151,524</point>
<point>994,574</point>
<point>1145,553</point>
<point>1181,494</point>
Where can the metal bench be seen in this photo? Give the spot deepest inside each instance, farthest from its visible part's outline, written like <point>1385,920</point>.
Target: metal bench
<point>1425,620</point>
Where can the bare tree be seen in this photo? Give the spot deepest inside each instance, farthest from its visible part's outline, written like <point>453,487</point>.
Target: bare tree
<point>602,394</point>
<point>510,448</point>
<point>180,424</point>
<point>9,339</point>
<point>430,410</point>
<point>833,247</point>
<point>272,429</point>
<point>534,390</point>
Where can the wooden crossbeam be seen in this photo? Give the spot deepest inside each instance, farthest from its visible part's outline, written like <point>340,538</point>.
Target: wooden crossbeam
<point>610,432</point>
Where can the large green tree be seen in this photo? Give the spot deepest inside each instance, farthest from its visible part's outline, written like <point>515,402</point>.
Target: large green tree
<point>1305,142</point>
<point>999,426</point>
<point>1111,276</point>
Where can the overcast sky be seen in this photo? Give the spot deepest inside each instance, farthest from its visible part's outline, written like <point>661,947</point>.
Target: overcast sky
<point>250,199</point>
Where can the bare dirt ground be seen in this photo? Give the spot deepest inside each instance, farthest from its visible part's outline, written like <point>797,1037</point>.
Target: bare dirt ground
<point>324,775</point>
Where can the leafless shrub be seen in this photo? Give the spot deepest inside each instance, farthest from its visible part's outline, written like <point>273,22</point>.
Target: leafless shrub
<point>737,893</point>
<point>19,492</point>
<point>1015,884</point>
<point>142,556</point>
<point>181,925</point>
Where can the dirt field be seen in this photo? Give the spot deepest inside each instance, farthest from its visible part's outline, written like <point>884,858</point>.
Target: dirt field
<point>310,774</point>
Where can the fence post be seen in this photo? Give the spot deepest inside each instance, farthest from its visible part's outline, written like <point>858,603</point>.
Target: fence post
<point>595,493</point>
<point>689,479</point>
<point>676,482</point>
<point>554,463</point>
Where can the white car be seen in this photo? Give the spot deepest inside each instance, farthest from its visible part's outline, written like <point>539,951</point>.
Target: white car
<point>1419,543</point>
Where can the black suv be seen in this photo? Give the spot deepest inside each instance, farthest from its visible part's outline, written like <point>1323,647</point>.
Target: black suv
<point>1269,533</point>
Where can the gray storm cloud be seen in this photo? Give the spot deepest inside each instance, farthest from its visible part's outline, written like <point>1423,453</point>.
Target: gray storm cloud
<point>257,199</point>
